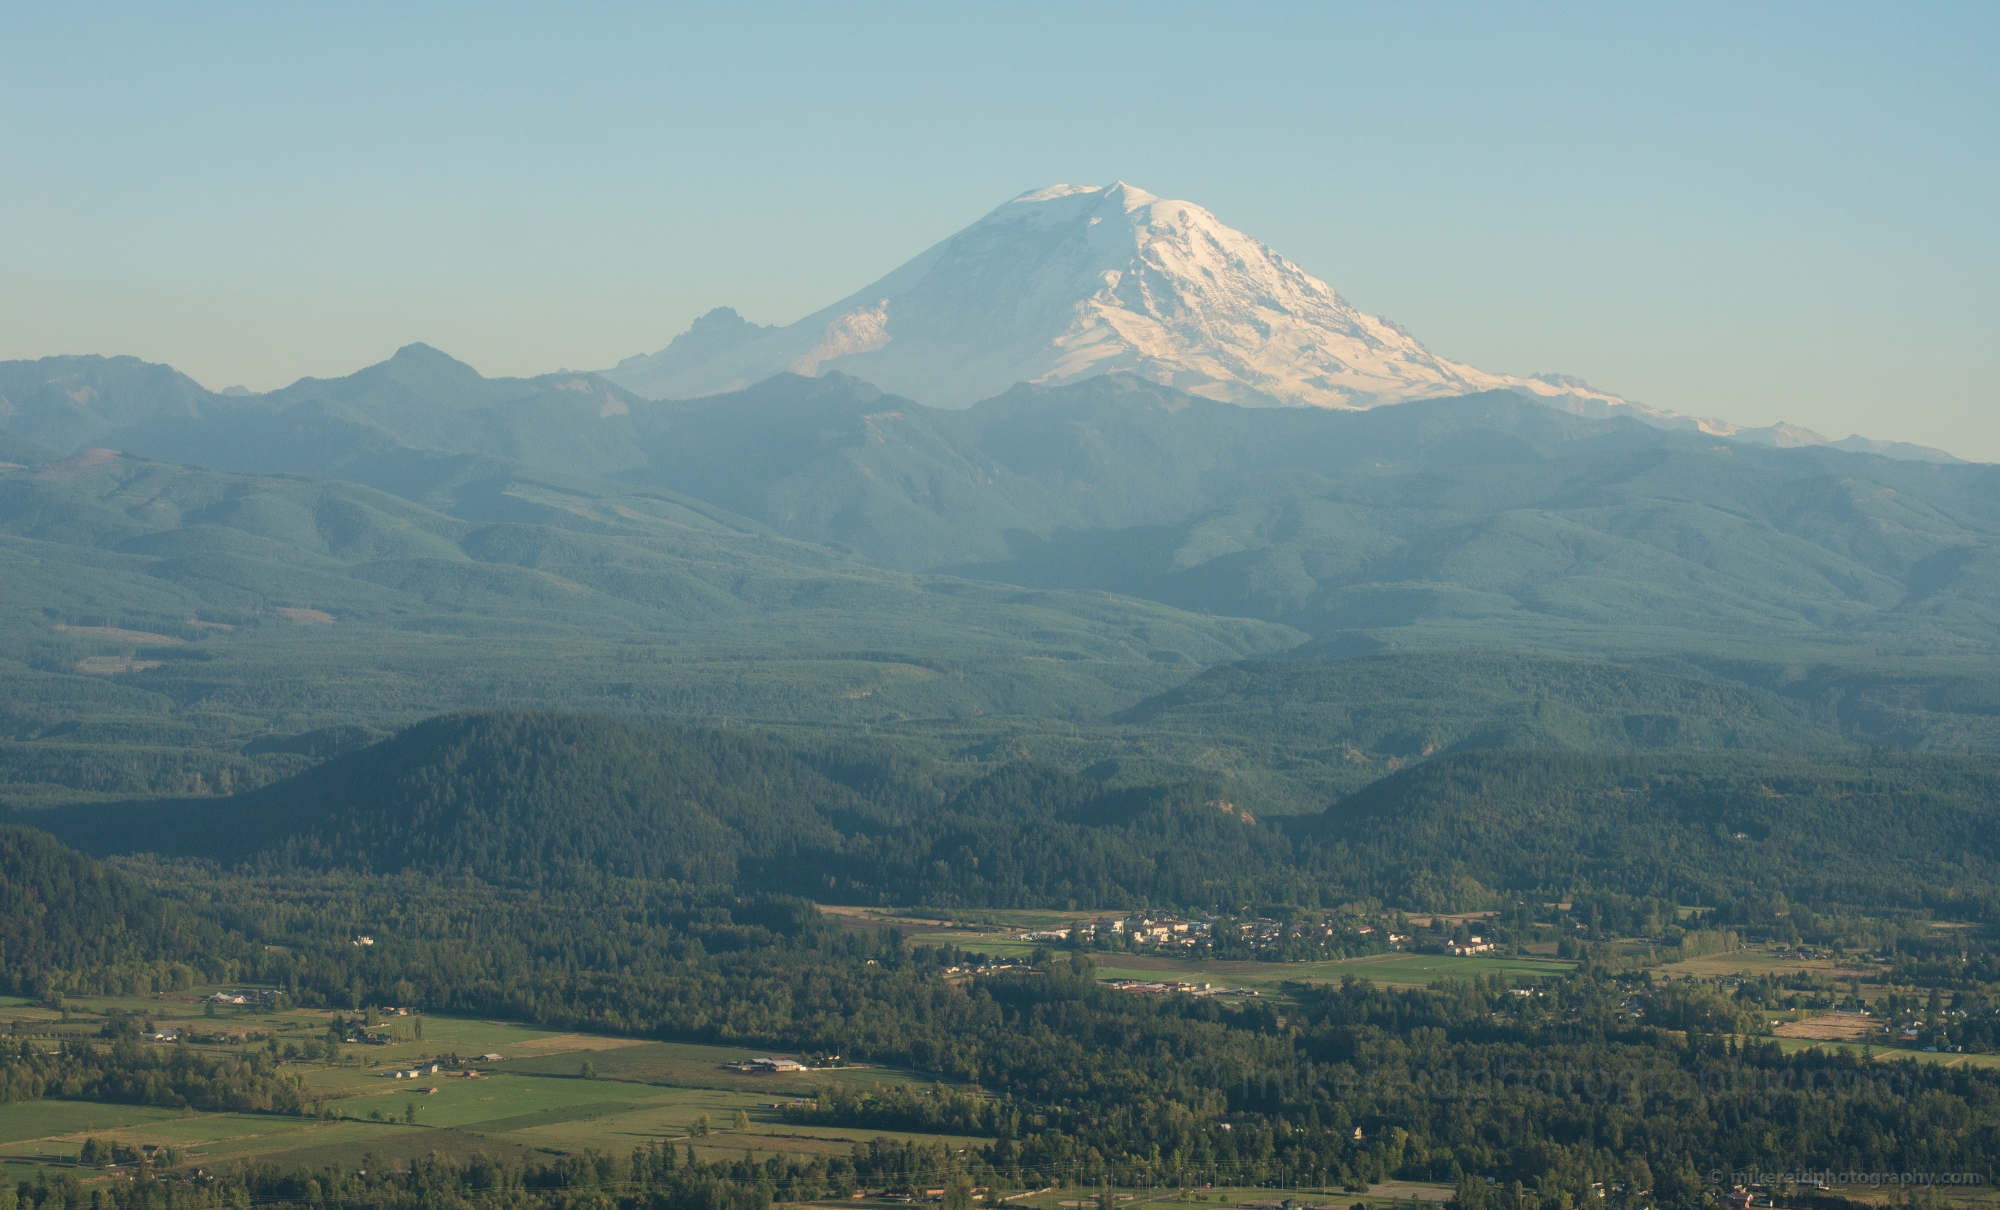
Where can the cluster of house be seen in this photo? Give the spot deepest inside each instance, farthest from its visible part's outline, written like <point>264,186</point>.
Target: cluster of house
<point>431,1067</point>
<point>1263,932</point>
<point>1161,987</point>
<point>1168,932</point>
<point>1161,930</point>
<point>1915,1031</point>
<point>763,1066</point>
<point>248,996</point>
<point>1394,940</point>
<point>1472,944</point>
<point>962,973</point>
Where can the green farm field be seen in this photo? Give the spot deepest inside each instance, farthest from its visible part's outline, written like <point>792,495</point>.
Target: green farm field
<point>535,1099</point>
<point>1763,962</point>
<point>1889,1054</point>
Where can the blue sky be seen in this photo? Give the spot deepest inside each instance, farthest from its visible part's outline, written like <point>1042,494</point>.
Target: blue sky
<point>1761,212</point>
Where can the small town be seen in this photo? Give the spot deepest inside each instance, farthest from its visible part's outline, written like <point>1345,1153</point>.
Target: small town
<point>1215,936</point>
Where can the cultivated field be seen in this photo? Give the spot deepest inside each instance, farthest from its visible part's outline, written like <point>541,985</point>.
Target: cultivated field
<point>535,1099</point>
<point>1765,962</point>
<point>1833,1027</point>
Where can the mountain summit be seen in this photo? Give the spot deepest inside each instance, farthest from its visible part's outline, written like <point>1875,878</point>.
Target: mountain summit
<point>1074,281</point>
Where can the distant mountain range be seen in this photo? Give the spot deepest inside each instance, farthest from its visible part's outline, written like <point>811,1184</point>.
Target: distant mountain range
<point>418,399</point>
<point>1146,501</point>
<point>811,547</point>
<point>1493,515</point>
<point>255,577</point>
<point>1057,287</point>
<point>1074,281</point>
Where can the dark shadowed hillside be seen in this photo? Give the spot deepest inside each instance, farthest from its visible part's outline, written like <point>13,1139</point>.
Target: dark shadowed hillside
<point>531,798</point>
<point>61,910</point>
<point>518,797</point>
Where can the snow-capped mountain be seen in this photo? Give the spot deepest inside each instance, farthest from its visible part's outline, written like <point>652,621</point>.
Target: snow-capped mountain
<point>1076,280</point>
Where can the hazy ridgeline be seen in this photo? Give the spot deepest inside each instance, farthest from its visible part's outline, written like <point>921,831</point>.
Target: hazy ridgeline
<point>1032,572</point>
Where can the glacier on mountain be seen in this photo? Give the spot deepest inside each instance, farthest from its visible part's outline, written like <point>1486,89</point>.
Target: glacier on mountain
<point>1072,281</point>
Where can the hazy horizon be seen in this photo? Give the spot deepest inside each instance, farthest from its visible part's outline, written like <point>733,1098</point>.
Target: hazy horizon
<point>1783,214</point>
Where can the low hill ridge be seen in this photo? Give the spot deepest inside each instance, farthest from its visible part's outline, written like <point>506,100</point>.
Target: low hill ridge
<point>1395,709</point>
<point>520,797</point>
<point>61,911</point>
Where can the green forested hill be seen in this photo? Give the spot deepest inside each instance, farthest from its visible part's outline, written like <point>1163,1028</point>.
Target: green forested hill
<point>1395,708</point>
<point>532,798</point>
<point>540,799</point>
<point>60,910</point>
<point>512,797</point>
<point>1915,833</point>
<point>1028,835</point>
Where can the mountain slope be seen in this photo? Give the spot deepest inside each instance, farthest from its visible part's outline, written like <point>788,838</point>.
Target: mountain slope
<point>1489,517</point>
<point>157,621</point>
<point>1386,710</point>
<point>834,459</point>
<point>1074,281</point>
<point>418,399</point>
<point>1486,520</point>
<point>530,798</point>
<point>67,403</point>
<point>529,554</point>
